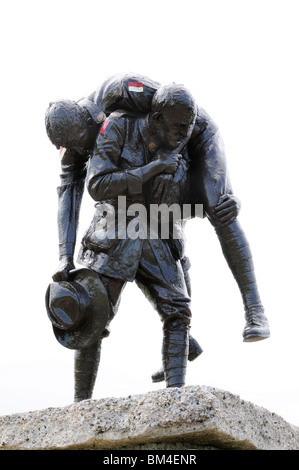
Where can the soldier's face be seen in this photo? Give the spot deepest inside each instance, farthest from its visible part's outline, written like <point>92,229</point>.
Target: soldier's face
<point>174,126</point>
<point>77,138</point>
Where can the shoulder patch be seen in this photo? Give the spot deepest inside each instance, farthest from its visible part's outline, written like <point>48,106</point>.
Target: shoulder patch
<point>105,126</point>
<point>135,86</point>
<point>113,117</point>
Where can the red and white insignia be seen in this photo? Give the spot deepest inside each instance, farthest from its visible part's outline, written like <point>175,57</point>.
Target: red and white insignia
<point>105,126</point>
<point>62,151</point>
<point>136,86</point>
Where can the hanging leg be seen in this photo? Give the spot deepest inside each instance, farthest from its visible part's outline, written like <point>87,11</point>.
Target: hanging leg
<point>238,255</point>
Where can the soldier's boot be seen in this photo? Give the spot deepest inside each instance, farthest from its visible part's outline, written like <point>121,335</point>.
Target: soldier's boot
<point>86,368</point>
<point>256,327</point>
<point>194,351</point>
<point>175,354</point>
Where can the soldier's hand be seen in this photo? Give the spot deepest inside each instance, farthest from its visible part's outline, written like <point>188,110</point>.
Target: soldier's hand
<point>65,266</point>
<point>171,162</point>
<point>160,187</point>
<point>227,209</point>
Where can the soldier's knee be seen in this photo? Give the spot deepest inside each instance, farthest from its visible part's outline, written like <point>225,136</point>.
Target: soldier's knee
<point>177,323</point>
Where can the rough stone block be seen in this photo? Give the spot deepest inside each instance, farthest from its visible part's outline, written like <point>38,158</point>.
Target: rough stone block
<point>192,417</point>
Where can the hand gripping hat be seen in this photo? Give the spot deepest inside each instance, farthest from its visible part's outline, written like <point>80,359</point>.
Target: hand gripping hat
<point>78,309</point>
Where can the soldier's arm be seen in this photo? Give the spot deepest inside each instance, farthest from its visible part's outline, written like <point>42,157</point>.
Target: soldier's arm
<point>106,179</point>
<point>70,193</point>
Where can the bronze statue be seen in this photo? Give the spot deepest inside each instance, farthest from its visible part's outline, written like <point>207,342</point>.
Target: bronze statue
<point>136,145</point>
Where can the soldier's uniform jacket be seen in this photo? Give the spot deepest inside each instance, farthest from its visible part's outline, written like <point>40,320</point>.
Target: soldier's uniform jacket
<point>120,151</point>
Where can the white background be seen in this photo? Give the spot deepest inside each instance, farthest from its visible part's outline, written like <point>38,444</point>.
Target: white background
<point>239,58</point>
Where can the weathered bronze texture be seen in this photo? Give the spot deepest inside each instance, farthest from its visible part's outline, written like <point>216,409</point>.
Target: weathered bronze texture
<point>137,144</point>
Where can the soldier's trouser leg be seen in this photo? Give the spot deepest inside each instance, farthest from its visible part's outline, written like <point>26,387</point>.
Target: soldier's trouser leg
<point>238,255</point>
<point>87,360</point>
<point>194,348</point>
<point>86,368</point>
<point>161,277</point>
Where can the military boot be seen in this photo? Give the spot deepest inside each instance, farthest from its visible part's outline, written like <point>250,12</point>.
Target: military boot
<point>175,354</point>
<point>257,327</point>
<point>194,351</point>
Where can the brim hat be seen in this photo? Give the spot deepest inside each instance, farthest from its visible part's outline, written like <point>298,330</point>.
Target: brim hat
<point>78,309</point>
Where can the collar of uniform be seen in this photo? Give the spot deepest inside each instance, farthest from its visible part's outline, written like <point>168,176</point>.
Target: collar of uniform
<point>144,129</point>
